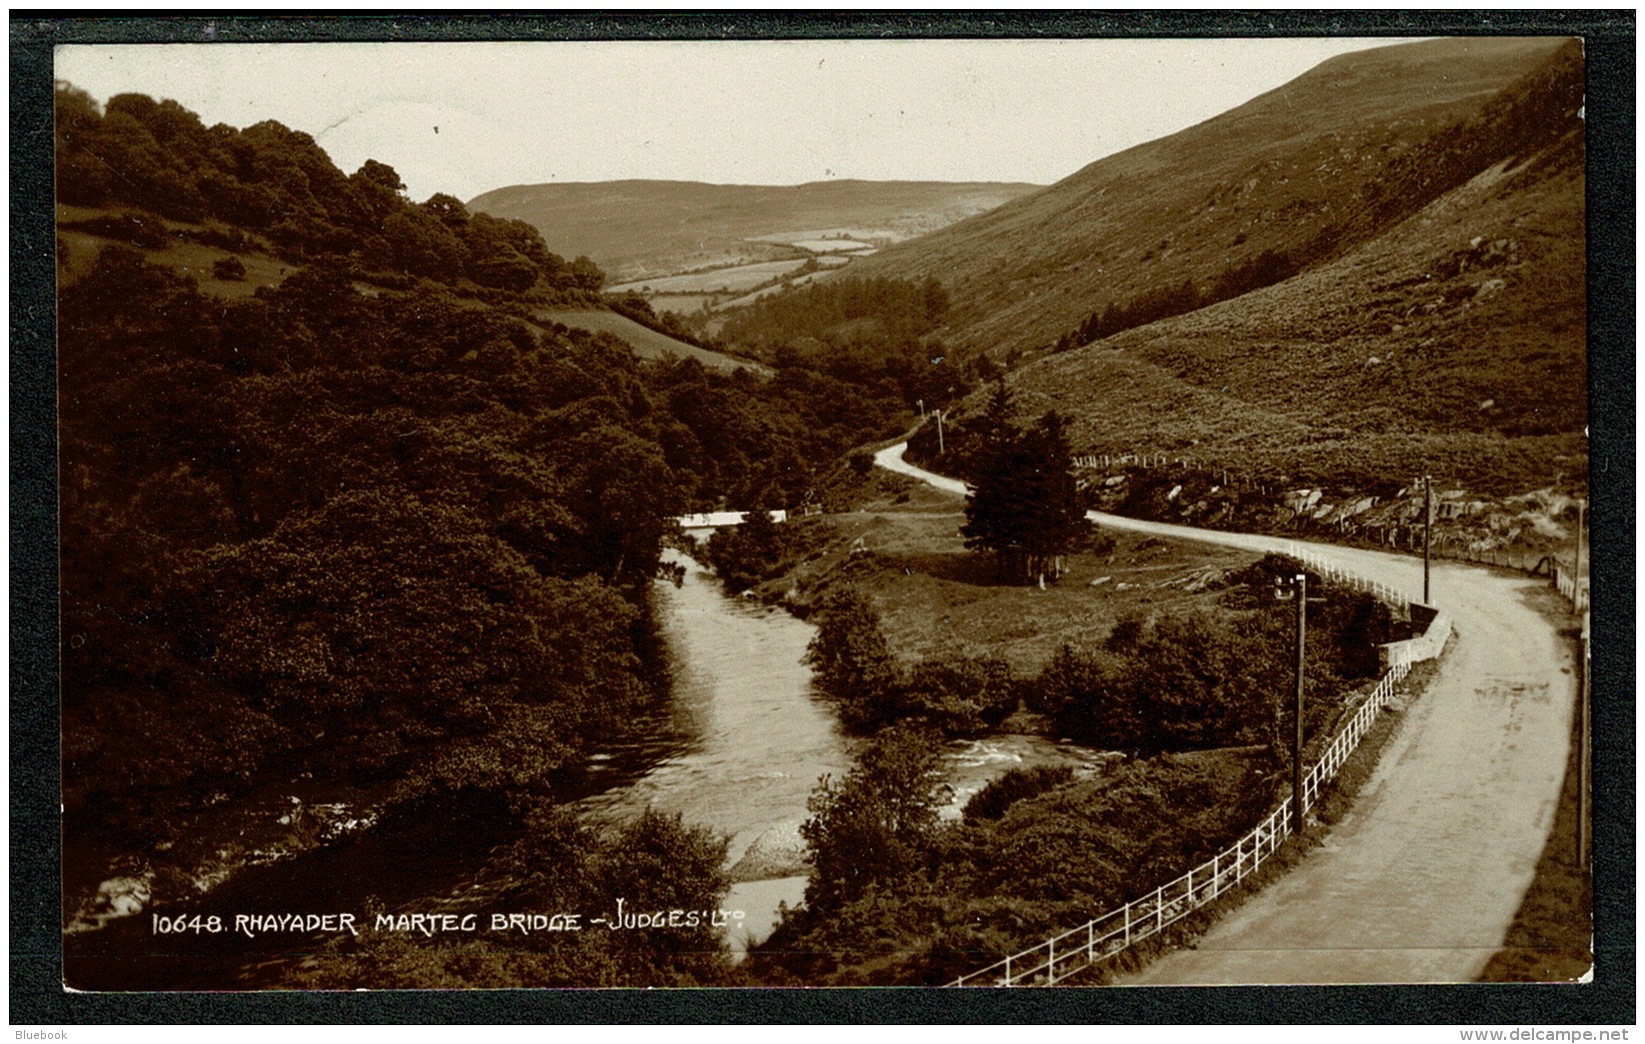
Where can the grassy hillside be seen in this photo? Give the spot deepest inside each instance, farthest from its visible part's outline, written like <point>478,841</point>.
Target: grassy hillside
<point>1307,171</point>
<point>1455,343</point>
<point>636,229</point>
<point>1430,317</point>
<point>646,342</point>
<point>176,245</point>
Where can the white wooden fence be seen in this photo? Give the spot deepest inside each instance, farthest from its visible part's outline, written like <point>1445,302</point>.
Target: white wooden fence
<point>1133,460</point>
<point>1568,586</point>
<point>1077,949</point>
<point>1336,574</point>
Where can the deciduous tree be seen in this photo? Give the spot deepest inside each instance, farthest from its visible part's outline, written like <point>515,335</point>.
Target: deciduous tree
<point>871,825</point>
<point>852,662</point>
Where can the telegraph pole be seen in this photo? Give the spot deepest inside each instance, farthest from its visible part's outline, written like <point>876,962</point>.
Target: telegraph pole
<point>940,448</point>
<point>1427,532</point>
<point>1296,749</point>
<point>1298,590</point>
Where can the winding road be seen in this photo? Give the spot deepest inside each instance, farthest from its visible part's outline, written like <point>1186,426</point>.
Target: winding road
<point>1420,882</point>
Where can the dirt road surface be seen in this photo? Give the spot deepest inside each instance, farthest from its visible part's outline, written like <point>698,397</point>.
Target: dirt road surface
<point>1420,882</point>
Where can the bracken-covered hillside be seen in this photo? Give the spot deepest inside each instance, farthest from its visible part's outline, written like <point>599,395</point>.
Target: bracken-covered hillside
<point>1454,344</point>
<point>1429,314</point>
<point>1329,160</point>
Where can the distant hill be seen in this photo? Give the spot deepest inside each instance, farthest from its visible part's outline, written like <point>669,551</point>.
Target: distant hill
<point>636,229</point>
<point>1424,209</point>
<point>1328,160</point>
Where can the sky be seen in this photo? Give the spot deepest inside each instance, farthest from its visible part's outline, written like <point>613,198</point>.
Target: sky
<point>464,118</point>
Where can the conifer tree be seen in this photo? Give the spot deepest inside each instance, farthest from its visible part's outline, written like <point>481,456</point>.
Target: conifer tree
<point>1024,505</point>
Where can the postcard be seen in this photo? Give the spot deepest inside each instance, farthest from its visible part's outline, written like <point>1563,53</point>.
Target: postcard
<point>824,512</point>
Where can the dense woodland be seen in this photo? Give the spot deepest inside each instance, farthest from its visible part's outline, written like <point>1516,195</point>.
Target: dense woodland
<point>862,330</point>
<point>275,183</point>
<point>360,526</point>
<point>307,511</point>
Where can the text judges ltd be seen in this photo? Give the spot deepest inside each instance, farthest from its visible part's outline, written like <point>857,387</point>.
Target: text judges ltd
<point>431,924</point>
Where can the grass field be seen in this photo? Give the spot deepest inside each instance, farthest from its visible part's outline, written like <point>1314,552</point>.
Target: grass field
<point>935,598</point>
<point>748,299</point>
<point>832,246</point>
<point>722,280</point>
<point>680,304</point>
<point>687,304</point>
<point>190,258</point>
<point>646,342</point>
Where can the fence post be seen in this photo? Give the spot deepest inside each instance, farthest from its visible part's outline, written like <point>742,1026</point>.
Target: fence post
<point>1090,942</point>
<point>1008,969</point>
<point>1051,961</point>
<point>1128,924</point>
<point>1159,909</point>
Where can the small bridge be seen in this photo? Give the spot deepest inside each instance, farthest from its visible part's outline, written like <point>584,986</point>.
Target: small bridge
<point>717,519</point>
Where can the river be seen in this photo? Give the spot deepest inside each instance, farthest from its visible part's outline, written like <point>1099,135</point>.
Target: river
<point>738,748</point>
<point>747,740</point>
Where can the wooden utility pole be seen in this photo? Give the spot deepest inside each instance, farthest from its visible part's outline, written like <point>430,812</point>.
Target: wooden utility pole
<point>1427,532</point>
<point>1298,590</point>
<point>1296,750</point>
<point>940,448</point>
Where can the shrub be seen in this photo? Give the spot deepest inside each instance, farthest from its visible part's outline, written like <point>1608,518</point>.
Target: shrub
<point>873,824</point>
<point>961,697</point>
<point>1016,785</point>
<point>852,661</point>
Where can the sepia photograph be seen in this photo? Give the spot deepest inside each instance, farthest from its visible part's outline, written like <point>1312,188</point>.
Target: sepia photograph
<point>939,512</point>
